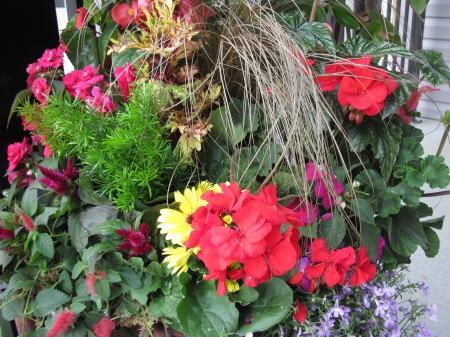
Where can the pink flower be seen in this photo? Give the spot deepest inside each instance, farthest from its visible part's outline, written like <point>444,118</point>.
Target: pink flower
<point>100,101</point>
<point>70,80</point>
<point>195,12</point>
<point>81,17</point>
<point>6,233</point>
<point>88,77</point>
<point>17,153</point>
<point>381,244</point>
<point>124,14</point>
<point>52,58</point>
<point>26,179</point>
<point>41,90</point>
<point>307,212</point>
<point>27,221</point>
<point>104,327</point>
<point>136,242</point>
<point>125,76</point>
<point>413,101</point>
<point>61,323</point>
<point>33,69</point>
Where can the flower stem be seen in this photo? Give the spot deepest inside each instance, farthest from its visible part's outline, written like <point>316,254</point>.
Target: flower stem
<point>444,138</point>
<point>313,11</point>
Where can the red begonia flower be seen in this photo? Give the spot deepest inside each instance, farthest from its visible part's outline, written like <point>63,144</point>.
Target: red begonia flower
<point>363,270</point>
<point>300,312</point>
<point>125,77</point>
<point>81,17</point>
<point>413,101</point>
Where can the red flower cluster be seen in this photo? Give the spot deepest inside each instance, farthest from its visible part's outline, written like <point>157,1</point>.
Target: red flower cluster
<point>239,230</point>
<point>6,233</point>
<point>361,87</point>
<point>136,242</point>
<point>331,266</point>
<point>60,182</point>
<point>125,76</point>
<point>104,327</point>
<point>61,323</point>
<point>91,278</point>
<point>52,58</point>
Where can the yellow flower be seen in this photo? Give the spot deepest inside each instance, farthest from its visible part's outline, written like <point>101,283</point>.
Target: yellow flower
<point>177,258</point>
<point>176,224</point>
<point>232,285</point>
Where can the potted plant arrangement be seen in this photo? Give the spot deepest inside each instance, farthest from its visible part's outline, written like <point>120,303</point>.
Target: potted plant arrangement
<point>213,169</point>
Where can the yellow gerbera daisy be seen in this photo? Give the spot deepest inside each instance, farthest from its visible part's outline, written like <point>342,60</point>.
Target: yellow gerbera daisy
<point>176,223</point>
<point>177,258</point>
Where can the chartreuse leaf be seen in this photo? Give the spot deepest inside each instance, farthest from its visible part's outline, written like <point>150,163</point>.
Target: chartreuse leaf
<point>203,313</point>
<point>343,14</point>
<point>370,236</point>
<point>245,295</point>
<point>49,300</point>
<point>433,242</point>
<point>271,307</point>
<point>433,66</point>
<point>333,230</point>
<point>384,137</point>
<point>362,210</point>
<point>435,171</point>
<point>380,197</point>
<point>406,232</point>
<point>13,309</point>
<point>44,245</point>
<point>359,46</point>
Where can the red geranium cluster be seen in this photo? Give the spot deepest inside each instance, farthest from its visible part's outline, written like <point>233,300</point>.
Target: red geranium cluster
<point>331,266</point>
<point>240,236</point>
<point>362,88</point>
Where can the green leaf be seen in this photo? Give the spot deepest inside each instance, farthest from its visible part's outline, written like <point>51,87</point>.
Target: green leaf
<point>136,263</point>
<point>406,232</point>
<point>79,330</point>
<point>21,95</point>
<point>41,332</point>
<point>271,307</point>
<point>411,176</point>
<point>77,307</point>
<point>380,197</point>
<point>77,269</point>
<point>44,245</point>
<point>309,231</point>
<point>359,46</point>
<point>383,137</point>
<point>372,29</point>
<point>129,277</point>
<point>437,223</point>
<point>42,219</point>
<point>30,201</point>
<point>423,210</point>
<point>107,33</point>
<point>410,149</point>
<point>318,34</point>
<point>433,243</point>
<point>433,66</point>
<point>343,14</point>
<point>49,300</point>
<point>93,217</point>
<point>410,195</point>
<point>78,235</point>
<point>91,254</point>
<point>435,171</point>
<point>101,287</point>
<point>131,55</point>
<point>203,313</point>
<point>418,5</point>
<point>64,282</point>
<point>362,210</point>
<point>89,196</point>
<point>370,236</point>
<point>245,295</point>
<point>70,258</point>
<point>13,309</point>
<point>81,52</point>
<point>109,227</point>
<point>113,276</point>
<point>306,6</point>
<point>141,294</point>
<point>333,230</point>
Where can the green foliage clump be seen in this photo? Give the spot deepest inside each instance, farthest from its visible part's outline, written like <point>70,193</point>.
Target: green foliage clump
<point>128,154</point>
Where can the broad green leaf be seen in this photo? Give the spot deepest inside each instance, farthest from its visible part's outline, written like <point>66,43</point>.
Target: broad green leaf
<point>309,231</point>
<point>13,309</point>
<point>370,236</point>
<point>5,259</point>
<point>359,46</point>
<point>101,287</point>
<point>423,210</point>
<point>77,307</point>
<point>21,95</point>
<point>203,313</point>
<point>411,176</point>
<point>89,196</point>
<point>49,300</point>
<point>380,197</point>
<point>64,282</point>
<point>383,137</point>
<point>317,34</point>
<point>362,210</point>
<point>433,243</point>
<point>343,14</point>
<point>77,269</point>
<point>92,253</point>
<point>78,235</point>
<point>306,6</point>
<point>113,276</point>
<point>435,171</point>
<point>44,245</point>
<point>109,227</point>
<point>81,52</point>
<point>129,277</point>
<point>410,195</point>
<point>406,232</point>
<point>30,201</point>
<point>41,332</point>
<point>245,295</point>
<point>418,5</point>
<point>42,219</point>
<point>107,33</point>
<point>437,223</point>
<point>271,307</point>
<point>433,66</point>
<point>70,258</point>
<point>333,230</point>
<point>79,330</point>
<point>141,294</point>
<point>93,217</point>
<point>410,149</point>
<point>136,262</point>
<point>372,29</point>
<point>131,55</point>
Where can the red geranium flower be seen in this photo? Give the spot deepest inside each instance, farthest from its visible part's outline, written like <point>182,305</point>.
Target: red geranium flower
<point>363,270</point>
<point>300,312</point>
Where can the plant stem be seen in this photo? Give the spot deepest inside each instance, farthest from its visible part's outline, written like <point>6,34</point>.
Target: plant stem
<point>95,49</point>
<point>314,10</point>
<point>444,138</point>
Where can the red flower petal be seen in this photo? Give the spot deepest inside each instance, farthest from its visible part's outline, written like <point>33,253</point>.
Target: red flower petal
<point>301,312</point>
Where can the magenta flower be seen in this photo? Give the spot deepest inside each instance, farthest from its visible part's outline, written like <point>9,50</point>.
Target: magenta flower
<point>70,80</point>
<point>52,58</point>
<point>125,76</point>
<point>321,191</point>
<point>26,177</point>
<point>33,69</point>
<point>6,233</point>
<point>307,212</point>
<point>88,77</point>
<point>60,182</point>
<point>41,90</point>
<point>136,242</point>
<point>100,101</point>
<point>18,153</point>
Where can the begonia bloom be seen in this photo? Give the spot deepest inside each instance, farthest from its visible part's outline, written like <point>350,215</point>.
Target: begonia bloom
<point>125,76</point>
<point>52,58</point>
<point>81,17</point>
<point>100,101</point>
<point>17,153</point>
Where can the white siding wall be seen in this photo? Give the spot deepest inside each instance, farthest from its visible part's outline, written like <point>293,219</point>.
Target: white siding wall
<point>437,37</point>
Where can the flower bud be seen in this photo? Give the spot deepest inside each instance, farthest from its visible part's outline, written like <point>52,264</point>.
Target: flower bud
<point>356,184</point>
